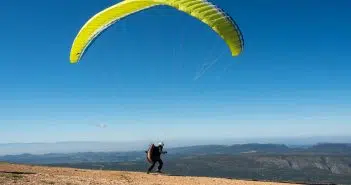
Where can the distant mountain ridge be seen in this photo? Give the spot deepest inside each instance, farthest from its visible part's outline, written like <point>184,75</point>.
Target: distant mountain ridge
<point>237,149</point>
<point>125,146</point>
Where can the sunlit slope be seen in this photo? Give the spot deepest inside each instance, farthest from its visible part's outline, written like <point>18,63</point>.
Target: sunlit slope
<point>24,174</point>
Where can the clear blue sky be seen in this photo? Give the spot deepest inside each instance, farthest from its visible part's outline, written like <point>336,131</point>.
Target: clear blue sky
<point>293,78</point>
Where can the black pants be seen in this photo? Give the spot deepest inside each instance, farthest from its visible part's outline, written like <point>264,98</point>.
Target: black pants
<point>154,161</point>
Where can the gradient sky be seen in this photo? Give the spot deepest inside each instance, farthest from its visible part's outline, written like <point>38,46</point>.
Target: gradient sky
<point>138,80</point>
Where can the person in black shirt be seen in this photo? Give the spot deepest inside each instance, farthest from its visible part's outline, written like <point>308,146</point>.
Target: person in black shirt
<point>156,157</point>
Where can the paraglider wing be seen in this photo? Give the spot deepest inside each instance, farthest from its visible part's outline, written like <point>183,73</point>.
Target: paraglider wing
<point>202,10</point>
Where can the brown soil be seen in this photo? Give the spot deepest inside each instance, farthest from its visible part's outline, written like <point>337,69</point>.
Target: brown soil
<point>36,175</point>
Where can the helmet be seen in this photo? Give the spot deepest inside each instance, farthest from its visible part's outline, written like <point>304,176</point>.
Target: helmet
<point>161,144</point>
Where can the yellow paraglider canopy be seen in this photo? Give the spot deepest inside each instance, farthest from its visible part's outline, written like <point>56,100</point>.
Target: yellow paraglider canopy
<point>202,10</point>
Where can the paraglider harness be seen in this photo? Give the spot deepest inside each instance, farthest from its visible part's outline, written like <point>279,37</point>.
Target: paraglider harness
<point>154,152</point>
<point>153,155</point>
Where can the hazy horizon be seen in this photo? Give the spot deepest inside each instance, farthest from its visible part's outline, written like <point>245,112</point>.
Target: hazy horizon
<point>176,130</point>
<point>115,146</point>
<point>330,137</point>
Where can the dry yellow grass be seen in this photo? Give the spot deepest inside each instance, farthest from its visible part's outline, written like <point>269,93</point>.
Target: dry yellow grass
<point>36,175</point>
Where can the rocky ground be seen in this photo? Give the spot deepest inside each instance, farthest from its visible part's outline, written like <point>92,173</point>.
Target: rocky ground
<point>37,175</point>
